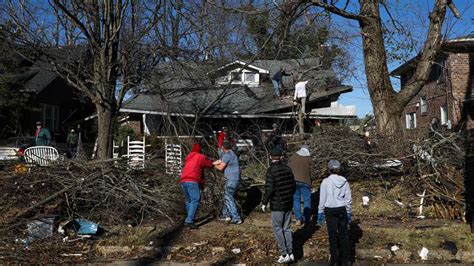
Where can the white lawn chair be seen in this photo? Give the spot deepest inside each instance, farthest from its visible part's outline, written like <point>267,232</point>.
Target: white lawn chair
<point>136,153</point>
<point>173,157</point>
<point>41,155</point>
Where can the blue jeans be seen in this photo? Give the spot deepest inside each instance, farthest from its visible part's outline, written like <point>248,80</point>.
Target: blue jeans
<point>230,208</point>
<point>192,196</point>
<point>276,87</point>
<point>303,190</point>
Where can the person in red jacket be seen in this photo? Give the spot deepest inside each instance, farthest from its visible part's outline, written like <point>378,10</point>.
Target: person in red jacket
<point>191,179</point>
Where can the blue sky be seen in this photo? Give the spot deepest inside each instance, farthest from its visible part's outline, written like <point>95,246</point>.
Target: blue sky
<point>414,16</point>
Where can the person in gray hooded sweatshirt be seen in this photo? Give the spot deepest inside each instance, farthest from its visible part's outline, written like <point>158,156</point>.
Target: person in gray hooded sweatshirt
<point>335,202</point>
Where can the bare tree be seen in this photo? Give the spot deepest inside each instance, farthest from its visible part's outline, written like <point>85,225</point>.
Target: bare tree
<point>96,46</point>
<point>389,104</point>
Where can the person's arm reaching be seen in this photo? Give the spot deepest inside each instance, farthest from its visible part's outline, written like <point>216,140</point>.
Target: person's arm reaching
<point>207,163</point>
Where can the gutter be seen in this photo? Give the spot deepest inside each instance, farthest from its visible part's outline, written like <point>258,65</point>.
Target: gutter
<point>278,116</point>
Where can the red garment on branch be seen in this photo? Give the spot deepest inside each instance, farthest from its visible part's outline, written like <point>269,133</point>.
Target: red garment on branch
<point>220,139</point>
<point>194,165</point>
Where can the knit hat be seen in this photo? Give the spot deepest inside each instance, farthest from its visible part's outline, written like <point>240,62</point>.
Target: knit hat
<point>38,123</point>
<point>334,164</point>
<point>304,151</point>
<point>276,152</point>
<point>196,148</point>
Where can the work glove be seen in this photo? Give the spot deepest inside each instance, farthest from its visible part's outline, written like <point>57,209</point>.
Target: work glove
<point>349,217</point>
<point>320,217</point>
<point>264,208</point>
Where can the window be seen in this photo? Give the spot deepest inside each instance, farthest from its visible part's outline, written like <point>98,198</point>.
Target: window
<point>223,80</point>
<point>250,77</point>
<point>444,115</point>
<point>236,77</point>
<point>239,76</point>
<point>51,117</point>
<point>410,120</point>
<point>423,104</point>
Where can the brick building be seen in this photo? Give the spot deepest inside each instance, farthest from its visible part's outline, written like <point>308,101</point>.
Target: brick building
<point>448,93</point>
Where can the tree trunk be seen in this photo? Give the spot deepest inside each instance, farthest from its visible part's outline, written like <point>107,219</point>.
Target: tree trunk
<point>301,121</point>
<point>104,131</point>
<point>387,109</point>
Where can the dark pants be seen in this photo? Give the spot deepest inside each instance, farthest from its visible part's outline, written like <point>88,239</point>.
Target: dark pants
<point>336,220</point>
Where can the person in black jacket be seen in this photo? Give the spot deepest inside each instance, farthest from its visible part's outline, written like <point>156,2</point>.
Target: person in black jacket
<point>279,190</point>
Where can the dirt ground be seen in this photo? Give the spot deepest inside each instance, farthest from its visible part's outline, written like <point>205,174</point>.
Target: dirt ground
<point>374,232</point>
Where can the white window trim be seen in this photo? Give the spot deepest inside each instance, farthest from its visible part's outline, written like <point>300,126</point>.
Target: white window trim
<point>242,79</point>
<point>425,105</point>
<point>444,115</point>
<point>408,118</point>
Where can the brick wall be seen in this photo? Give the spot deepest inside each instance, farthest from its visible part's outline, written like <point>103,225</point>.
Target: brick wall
<point>435,93</point>
<point>450,92</point>
<point>459,73</point>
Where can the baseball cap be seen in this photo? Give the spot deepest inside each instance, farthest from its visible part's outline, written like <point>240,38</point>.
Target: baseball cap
<point>334,164</point>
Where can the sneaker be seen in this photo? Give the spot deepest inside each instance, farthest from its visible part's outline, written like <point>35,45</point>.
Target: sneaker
<point>191,225</point>
<point>292,257</point>
<point>223,218</point>
<point>281,259</point>
<point>286,259</point>
<point>239,221</point>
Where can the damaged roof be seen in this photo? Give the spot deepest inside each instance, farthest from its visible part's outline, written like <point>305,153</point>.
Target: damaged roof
<point>188,92</point>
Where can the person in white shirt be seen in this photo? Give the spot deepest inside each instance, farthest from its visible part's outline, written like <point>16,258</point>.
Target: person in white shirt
<point>300,94</point>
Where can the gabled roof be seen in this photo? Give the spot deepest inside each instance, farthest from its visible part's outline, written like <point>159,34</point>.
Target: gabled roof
<point>242,64</point>
<point>40,79</point>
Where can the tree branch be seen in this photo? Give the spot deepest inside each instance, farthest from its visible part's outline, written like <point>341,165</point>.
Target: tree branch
<point>428,55</point>
<point>335,10</point>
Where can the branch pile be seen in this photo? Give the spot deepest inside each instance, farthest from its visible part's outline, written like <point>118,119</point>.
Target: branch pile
<point>440,161</point>
<point>434,163</point>
<point>103,194</point>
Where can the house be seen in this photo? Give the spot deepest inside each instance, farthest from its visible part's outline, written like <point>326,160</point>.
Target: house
<point>448,94</point>
<point>337,113</point>
<point>238,93</point>
<point>50,100</point>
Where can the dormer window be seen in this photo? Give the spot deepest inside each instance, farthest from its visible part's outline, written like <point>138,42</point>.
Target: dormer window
<point>239,73</point>
<point>241,77</point>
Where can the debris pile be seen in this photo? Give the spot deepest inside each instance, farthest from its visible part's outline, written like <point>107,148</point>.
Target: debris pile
<point>433,164</point>
<point>439,162</point>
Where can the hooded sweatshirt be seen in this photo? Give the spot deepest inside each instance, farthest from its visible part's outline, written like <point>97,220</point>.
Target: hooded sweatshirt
<point>195,163</point>
<point>301,164</point>
<point>335,192</point>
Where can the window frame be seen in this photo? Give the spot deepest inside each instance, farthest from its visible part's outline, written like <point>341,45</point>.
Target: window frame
<point>423,105</point>
<point>443,115</point>
<point>409,117</point>
<point>242,73</point>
